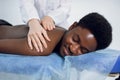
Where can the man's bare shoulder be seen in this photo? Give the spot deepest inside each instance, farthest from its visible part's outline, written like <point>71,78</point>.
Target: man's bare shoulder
<point>57,31</point>
<point>55,35</point>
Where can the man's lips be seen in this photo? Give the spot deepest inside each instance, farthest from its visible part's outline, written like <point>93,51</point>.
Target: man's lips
<point>66,51</point>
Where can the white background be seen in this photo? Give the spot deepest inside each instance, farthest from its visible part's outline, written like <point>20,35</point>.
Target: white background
<point>9,10</point>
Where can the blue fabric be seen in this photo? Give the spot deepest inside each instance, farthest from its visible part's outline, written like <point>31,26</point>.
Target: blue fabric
<point>53,67</point>
<point>96,59</point>
<point>116,67</point>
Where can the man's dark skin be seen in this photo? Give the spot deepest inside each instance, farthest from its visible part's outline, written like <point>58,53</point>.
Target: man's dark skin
<point>15,39</point>
<point>75,41</point>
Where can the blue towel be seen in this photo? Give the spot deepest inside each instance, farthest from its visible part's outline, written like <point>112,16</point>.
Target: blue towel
<point>53,67</point>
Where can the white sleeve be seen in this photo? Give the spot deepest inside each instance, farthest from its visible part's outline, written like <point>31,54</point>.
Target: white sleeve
<point>62,12</point>
<point>28,10</point>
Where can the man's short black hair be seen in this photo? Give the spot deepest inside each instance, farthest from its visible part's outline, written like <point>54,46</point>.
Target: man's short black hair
<point>99,27</point>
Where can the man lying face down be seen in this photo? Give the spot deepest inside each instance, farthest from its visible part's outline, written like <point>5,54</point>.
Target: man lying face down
<point>93,32</point>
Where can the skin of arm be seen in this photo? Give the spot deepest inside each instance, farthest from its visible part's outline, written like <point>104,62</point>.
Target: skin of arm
<point>13,40</point>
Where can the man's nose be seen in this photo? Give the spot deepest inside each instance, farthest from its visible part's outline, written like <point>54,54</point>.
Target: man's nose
<point>75,49</point>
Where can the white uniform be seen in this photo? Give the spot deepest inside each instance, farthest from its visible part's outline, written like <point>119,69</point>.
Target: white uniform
<point>59,10</point>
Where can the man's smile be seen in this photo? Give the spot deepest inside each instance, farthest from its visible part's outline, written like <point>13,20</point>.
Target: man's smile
<point>65,51</point>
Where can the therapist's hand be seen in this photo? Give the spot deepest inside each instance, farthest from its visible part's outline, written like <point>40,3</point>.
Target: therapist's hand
<point>48,23</point>
<point>37,35</point>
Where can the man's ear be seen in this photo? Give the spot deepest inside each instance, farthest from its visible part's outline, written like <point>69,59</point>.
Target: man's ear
<point>73,26</point>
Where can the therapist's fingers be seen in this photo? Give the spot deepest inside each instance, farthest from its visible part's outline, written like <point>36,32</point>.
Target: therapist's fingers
<point>35,42</point>
<point>45,26</point>
<point>48,26</point>
<point>48,23</point>
<point>46,35</point>
<point>53,25</point>
<point>29,42</point>
<point>43,41</point>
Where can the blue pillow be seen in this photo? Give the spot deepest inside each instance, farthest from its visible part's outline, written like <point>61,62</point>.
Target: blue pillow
<point>92,66</point>
<point>102,60</point>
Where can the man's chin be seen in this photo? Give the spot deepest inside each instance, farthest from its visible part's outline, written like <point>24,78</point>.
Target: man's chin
<point>61,54</point>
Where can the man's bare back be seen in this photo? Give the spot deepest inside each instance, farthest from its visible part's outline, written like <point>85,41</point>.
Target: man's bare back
<point>13,39</point>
